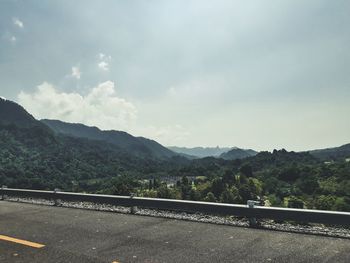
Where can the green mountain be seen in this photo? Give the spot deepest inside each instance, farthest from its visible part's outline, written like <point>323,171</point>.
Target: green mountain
<point>238,153</point>
<point>34,156</point>
<point>138,146</point>
<point>336,153</point>
<point>199,152</point>
<point>12,113</point>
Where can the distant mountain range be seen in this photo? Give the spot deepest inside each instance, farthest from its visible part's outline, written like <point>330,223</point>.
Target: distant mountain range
<point>227,153</point>
<point>335,153</point>
<point>13,114</point>
<point>200,152</point>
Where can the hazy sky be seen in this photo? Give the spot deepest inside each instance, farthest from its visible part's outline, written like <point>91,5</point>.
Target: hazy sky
<point>253,74</point>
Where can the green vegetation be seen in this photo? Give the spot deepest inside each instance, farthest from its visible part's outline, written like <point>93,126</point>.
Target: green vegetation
<point>137,146</point>
<point>36,158</point>
<point>280,178</point>
<point>33,156</point>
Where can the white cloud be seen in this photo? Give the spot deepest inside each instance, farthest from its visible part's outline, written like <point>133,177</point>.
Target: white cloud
<point>8,36</point>
<point>101,107</point>
<point>207,88</point>
<point>104,57</point>
<point>17,22</point>
<point>104,61</point>
<point>76,73</point>
<point>166,135</point>
<point>101,56</point>
<point>103,65</point>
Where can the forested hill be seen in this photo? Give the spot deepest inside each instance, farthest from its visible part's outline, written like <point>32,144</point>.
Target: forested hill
<point>12,113</point>
<point>332,154</point>
<point>137,146</point>
<point>34,156</point>
<point>37,158</point>
<point>238,153</point>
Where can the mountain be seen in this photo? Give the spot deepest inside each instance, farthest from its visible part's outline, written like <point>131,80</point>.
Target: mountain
<point>280,158</point>
<point>199,152</point>
<point>335,153</point>
<point>37,158</point>
<point>138,146</point>
<point>238,153</point>
<point>33,156</point>
<point>12,113</point>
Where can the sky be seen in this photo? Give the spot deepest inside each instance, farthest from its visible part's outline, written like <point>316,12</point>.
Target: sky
<point>253,74</point>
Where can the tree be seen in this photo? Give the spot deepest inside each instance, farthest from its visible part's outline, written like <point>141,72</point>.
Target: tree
<point>150,184</point>
<point>123,186</point>
<point>247,170</point>
<point>289,174</point>
<point>164,192</point>
<point>243,179</point>
<point>194,195</point>
<point>340,204</point>
<point>325,202</point>
<point>217,187</point>
<point>230,195</point>
<point>210,197</point>
<point>229,178</point>
<point>185,188</point>
<point>255,187</point>
<point>309,184</point>
<point>245,193</point>
<point>184,180</point>
<point>294,202</point>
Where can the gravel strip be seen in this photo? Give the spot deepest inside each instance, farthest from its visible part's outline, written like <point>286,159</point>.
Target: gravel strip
<point>314,229</point>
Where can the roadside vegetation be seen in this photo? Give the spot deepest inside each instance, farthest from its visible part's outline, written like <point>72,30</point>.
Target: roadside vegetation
<point>36,158</point>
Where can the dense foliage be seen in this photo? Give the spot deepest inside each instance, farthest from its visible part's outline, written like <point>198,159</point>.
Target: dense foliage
<point>36,158</point>
<point>280,178</point>
<point>137,146</point>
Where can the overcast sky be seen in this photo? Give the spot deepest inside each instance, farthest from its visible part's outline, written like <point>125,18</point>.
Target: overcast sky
<point>253,74</point>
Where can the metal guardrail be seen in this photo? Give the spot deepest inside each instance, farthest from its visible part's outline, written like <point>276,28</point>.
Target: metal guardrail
<point>249,211</point>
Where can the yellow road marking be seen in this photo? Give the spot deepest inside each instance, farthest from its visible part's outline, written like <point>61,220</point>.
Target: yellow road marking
<point>20,241</point>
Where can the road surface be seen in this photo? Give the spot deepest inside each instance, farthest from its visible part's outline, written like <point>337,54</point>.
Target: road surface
<point>35,233</point>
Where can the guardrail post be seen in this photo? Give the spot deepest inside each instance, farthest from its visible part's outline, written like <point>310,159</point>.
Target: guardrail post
<point>252,220</point>
<point>133,209</point>
<point>2,192</point>
<point>55,196</point>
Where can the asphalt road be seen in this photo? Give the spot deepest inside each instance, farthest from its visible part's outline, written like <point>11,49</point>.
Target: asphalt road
<point>76,235</point>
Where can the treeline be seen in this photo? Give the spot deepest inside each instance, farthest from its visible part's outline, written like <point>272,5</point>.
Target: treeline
<point>280,178</point>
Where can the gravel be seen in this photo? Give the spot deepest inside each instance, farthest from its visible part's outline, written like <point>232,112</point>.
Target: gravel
<point>314,229</point>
